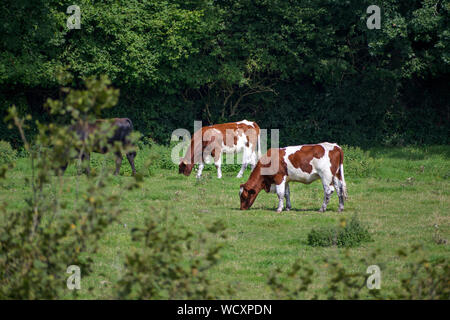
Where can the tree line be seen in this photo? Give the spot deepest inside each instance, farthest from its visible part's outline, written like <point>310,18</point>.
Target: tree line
<point>311,68</point>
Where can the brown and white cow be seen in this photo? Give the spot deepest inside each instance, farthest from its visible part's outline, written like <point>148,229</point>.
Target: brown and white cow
<point>305,163</point>
<point>212,141</point>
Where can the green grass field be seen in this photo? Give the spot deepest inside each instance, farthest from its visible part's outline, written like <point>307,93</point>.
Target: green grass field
<point>401,195</point>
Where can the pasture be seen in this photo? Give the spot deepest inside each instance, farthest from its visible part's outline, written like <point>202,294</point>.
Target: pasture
<point>401,194</point>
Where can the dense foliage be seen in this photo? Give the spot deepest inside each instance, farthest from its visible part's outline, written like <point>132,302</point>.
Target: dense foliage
<point>311,68</point>
<point>50,233</point>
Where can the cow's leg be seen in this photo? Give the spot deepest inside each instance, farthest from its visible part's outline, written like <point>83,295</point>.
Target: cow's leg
<point>245,161</point>
<point>328,190</point>
<point>254,159</point>
<point>280,189</point>
<point>118,163</point>
<point>287,195</point>
<point>241,172</point>
<point>340,192</point>
<point>200,169</point>
<point>130,157</point>
<point>218,164</point>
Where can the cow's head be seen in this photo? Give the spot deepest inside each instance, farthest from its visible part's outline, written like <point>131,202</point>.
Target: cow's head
<point>185,168</point>
<point>248,196</point>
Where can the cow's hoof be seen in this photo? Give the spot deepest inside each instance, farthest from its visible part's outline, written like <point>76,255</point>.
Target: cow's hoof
<point>321,210</point>
<point>288,209</point>
<point>279,210</point>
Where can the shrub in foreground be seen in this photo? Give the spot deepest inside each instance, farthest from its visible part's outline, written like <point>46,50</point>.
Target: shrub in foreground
<point>424,278</point>
<point>168,262</point>
<point>350,234</point>
<point>39,242</point>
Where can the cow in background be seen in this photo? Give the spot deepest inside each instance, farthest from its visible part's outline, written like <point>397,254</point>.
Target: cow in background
<point>122,129</point>
<point>305,163</point>
<point>212,141</point>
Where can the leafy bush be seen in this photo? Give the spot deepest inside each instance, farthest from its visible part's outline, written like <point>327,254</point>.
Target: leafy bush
<point>341,283</point>
<point>344,235</point>
<point>424,278</point>
<point>358,163</point>
<point>172,263</point>
<point>39,242</point>
<point>323,237</point>
<point>7,153</point>
<point>144,142</point>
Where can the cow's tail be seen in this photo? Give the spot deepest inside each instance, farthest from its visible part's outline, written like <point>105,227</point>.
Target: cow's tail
<point>341,171</point>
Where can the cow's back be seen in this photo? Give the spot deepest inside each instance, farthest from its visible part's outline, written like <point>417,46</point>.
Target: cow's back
<point>238,130</point>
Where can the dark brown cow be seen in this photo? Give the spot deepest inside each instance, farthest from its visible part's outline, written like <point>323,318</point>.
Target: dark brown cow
<point>222,138</point>
<point>305,163</point>
<point>123,128</point>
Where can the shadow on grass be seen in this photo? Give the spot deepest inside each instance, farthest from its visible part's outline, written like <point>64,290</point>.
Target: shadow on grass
<point>410,153</point>
<point>315,210</point>
<point>274,209</point>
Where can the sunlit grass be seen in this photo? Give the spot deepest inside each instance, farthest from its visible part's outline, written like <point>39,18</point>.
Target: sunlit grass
<point>401,203</point>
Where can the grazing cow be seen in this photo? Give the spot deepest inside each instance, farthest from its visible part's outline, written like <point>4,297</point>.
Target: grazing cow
<point>305,163</point>
<point>123,128</point>
<point>212,141</point>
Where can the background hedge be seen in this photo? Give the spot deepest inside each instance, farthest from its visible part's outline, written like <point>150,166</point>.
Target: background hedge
<point>311,68</point>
